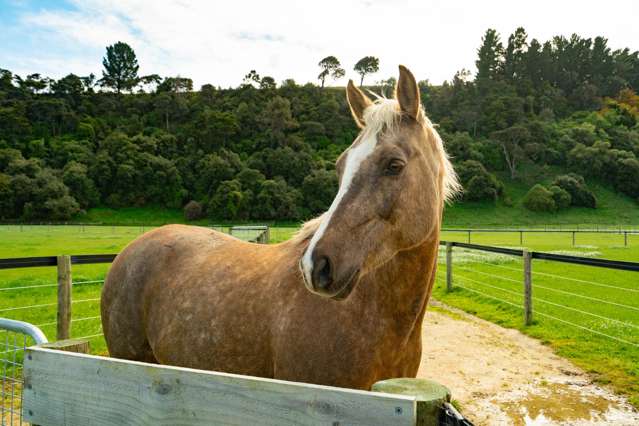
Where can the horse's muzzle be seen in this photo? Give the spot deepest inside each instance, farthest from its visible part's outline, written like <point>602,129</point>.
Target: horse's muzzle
<point>326,282</point>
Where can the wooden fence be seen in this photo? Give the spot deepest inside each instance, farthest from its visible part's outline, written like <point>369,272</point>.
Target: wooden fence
<point>63,388</point>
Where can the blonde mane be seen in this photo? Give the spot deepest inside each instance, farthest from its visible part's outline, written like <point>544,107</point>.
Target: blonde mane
<point>385,114</point>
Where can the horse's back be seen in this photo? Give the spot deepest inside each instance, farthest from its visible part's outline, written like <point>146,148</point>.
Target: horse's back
<point>153,257</point>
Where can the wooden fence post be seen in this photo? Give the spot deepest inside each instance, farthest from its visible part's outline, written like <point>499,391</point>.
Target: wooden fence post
<point>430,396</point>
<point>64,297</point>
<point>625,238</point>
<point>528,308</point>
<point>449,266</point>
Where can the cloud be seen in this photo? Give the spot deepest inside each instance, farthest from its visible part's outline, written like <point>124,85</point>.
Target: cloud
<point>219,42</point>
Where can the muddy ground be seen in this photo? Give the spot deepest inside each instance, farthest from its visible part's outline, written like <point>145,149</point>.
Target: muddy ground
<point>502,377</point>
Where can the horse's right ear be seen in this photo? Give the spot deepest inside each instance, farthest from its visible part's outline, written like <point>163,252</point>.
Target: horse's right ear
<point>358,102</point>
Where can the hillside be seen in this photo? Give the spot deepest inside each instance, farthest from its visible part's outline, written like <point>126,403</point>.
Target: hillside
<point>613,209</point>
<point>538,128</point>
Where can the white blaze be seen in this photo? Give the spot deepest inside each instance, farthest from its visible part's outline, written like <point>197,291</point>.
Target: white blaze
<point>354,159</point>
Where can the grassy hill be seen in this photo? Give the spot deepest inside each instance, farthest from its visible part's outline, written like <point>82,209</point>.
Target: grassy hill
<point>613,208</point>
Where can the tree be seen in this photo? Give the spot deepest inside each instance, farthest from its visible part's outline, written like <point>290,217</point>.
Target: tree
<point>319,189</point>
<point>515,55</point>
<point>120,68</point>
<point>267,83</point>
<point>229,201</point>
<point>512,141</point>
<point>175,84</point>
<point>489,56</point>
<point>330,67</point>
<point>366,65</point>
<point>82,188</point>
<point>34,83</point>
<point>251,79</point>
<point>277,118</point>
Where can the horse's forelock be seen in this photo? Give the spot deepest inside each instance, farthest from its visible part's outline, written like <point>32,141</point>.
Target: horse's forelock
<point>385,114</point>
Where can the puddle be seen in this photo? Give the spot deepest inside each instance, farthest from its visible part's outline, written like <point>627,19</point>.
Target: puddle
<point>556,403</point>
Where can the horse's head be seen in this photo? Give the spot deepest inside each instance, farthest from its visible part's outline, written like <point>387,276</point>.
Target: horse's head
<point>394,180</point>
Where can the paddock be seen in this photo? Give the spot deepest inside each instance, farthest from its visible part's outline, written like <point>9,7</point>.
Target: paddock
<point>483,281</point>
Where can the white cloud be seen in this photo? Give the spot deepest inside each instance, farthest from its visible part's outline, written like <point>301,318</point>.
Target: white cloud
<point>218,42</point>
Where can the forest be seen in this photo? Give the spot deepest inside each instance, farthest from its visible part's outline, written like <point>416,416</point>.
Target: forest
<point>566,107</point>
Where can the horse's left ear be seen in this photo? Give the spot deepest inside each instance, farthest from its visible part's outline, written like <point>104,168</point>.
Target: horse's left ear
<point>407,93</point>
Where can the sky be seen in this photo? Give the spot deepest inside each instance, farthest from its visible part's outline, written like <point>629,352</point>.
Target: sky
<point>218,42</point>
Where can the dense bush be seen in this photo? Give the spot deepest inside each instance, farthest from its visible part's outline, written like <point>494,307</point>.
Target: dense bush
<point>539,199</point>
<point>229,201</point>
<point>561,197</point>
<point>478,183</point>
<point>575,185</point>
<point>193,210</point>
<point>627,179</point>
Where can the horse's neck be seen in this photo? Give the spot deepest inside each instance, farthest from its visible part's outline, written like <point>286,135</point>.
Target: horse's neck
<point>401,287</point>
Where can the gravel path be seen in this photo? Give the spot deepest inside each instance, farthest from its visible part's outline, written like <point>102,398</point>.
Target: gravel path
<point>502,377</point>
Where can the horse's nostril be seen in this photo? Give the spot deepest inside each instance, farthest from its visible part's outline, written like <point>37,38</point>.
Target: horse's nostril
<point>322,273</point>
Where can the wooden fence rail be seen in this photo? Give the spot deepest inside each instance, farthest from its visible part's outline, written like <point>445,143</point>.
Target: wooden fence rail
<point>62,388</point>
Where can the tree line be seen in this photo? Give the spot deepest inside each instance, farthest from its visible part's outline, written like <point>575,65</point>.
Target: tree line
<point>546,113</point>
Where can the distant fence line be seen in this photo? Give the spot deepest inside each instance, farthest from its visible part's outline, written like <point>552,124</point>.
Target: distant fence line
<point>521,232</point>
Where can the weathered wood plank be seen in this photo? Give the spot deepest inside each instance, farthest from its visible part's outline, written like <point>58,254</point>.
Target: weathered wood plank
<point>64,297</point>
<point>104,391</point>
<point>69,345</point>
<point>528,302</point>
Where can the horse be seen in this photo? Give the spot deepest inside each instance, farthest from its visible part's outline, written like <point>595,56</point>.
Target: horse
<point>341,303</point>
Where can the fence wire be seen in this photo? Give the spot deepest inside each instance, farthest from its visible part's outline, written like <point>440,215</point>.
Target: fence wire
<point>12,348</point>
<point>489,289</point>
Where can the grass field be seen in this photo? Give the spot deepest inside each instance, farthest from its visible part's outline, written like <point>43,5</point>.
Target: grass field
<point>601,305</point>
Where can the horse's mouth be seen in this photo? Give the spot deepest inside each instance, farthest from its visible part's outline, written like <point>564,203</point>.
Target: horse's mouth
<point>342,291</point>
<point>347,287</point>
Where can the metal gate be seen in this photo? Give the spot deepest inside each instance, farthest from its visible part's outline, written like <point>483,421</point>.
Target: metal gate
<point>15,337</point>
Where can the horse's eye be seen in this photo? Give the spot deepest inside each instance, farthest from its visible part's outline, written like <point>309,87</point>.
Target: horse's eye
<point>394,167</point>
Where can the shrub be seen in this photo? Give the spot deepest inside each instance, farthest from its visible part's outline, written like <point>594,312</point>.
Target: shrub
<point>561,196</point>
<point>478,183</point>
<point>628,177</point>
<point>480,187</point>
<point>539,199</point>
<point>192,210</point>
<point>579,192</point>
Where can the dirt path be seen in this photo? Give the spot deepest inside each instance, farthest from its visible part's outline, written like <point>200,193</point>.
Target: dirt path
<point>502,377</point>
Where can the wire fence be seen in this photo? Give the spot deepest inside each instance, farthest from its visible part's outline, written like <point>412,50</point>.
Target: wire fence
<point>598,297</point>
<point>15,337</point>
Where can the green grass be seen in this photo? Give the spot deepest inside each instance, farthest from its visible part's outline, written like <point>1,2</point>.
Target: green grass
<point>497,276</point>
<point>612,209</point>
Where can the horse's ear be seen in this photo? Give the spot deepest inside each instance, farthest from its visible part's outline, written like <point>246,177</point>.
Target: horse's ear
<point>407,93</point>
<point>358,102</point>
